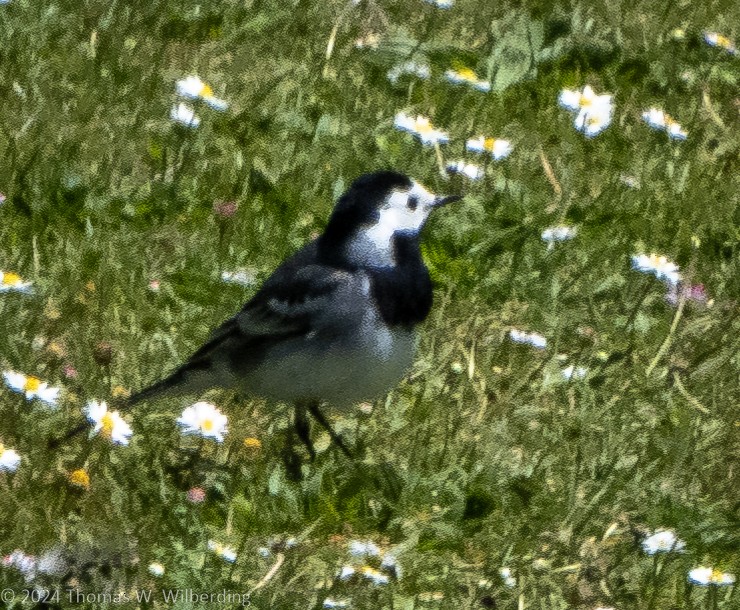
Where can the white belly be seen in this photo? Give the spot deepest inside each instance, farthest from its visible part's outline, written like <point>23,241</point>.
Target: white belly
<point>339,372</point>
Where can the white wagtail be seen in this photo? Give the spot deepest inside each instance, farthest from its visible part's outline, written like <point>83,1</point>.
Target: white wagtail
<point>335,322</point>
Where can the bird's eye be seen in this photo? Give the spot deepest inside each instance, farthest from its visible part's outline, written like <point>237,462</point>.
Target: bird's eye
<point>413,202</point>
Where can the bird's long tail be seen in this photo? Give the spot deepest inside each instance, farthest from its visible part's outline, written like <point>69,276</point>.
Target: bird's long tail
<point>168,386</point>
<point>179,382</point>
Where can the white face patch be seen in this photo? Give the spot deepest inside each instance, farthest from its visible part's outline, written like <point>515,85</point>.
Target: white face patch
<point>405,211</point>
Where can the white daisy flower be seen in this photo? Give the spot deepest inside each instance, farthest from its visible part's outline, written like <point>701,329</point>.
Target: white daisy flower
<point>586,99</point>
<point>594,111</point>
<point>205,419</point>
<point>195,88</point>
<point>156,569</point>
<point>109,423</point>
<point>558,233</point>
<point>674,131</point>
<point>414,68</point>
<point>441,3</point>
<point>469,170</point>
<point>571,371</point>
<point>468,77</point>
<point>532,339</point>
<point>709,576</point>
<point>420,126</point>
<point>376,576</point>
<point>243,277</point>
<point>508,579</point>
<point>185,115</point>
<point>390,564</point>
<point>593,122</point>
<point>346,572</point>
<point>662,541</point>
<point>360,548</point>
<point>224,552</point>
<point>499,149</point>
<point>657,119</point>
<point>9,459</point>
<point>659,265</point>
<point>336,603</point>
<point>32,387</point>
<point>718,40</point>
<point>12,281</point>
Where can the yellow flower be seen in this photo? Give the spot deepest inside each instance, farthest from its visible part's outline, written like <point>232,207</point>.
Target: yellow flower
<point>252,443</point>
<point>119,391</point>
<point>79,478</point>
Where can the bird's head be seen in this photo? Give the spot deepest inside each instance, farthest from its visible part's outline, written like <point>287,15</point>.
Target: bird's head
<point>377,210</point>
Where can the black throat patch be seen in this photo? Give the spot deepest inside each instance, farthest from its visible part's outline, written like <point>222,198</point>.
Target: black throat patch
<point>403,293</point>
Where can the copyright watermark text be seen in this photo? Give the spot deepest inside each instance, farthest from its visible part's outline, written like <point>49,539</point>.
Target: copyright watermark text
<point>168,596</point>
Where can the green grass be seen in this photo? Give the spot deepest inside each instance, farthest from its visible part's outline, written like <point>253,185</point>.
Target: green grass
<point>484,457</point>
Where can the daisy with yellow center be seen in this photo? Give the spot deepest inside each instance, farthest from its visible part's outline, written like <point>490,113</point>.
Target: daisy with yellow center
<point>657,119</point>
<point>496,147</point>
<point>594,111</point>
<point>718,40</point>
<point>79,478</point>
<point>205,419</point>
<point>421,127</point>
<point>9,459</point>
<point>32,387</point>
<point>467,77</point>
<point>195,88</point>
<point>710,576</point>
<point>376,576</point>
<point>12,281</point>
<point>659,265</point>
<point>109,423</point>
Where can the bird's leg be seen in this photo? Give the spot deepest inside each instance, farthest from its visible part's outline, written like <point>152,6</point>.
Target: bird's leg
<point>313,407</point>
<point>303,428</point>
<point>291,459</point>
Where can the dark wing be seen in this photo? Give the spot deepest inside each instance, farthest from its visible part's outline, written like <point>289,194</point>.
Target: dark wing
<point>285,306</point>
<point>289,304</point>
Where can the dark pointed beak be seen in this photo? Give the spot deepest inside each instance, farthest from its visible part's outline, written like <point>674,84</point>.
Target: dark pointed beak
<point>439,201</point>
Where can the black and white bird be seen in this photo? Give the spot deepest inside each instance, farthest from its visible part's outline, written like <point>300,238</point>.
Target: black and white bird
<point>335,323</point>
